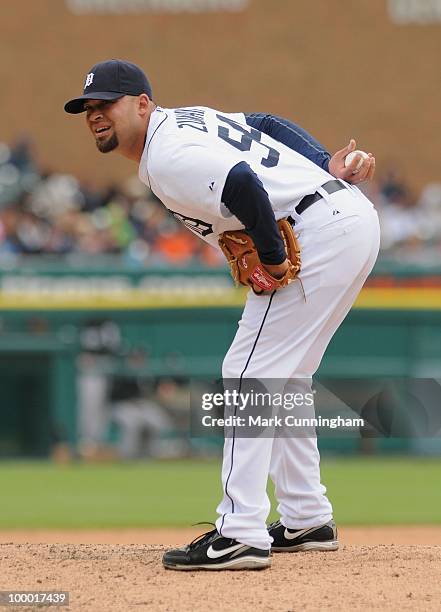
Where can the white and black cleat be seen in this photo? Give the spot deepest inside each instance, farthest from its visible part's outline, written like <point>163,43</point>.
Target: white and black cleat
<point>322,538</point>
<point>211,551</point>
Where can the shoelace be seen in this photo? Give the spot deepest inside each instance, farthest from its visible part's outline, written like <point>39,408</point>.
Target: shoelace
<point>274,525</point>
<point>203,538</point>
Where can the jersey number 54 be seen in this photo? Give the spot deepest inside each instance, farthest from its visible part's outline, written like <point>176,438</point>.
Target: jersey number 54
<point>246,140</point>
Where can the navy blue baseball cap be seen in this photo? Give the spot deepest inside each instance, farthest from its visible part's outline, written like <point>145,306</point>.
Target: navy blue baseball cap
<point>110,80</point>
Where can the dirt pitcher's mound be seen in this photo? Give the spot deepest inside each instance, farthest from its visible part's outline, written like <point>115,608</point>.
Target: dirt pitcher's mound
<point>104,578</point>
<point>168,536</point>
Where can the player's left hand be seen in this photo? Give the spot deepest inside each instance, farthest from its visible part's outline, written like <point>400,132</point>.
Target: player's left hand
<point>246,267</point>
<point>338,169</point>
<point>276,270</point>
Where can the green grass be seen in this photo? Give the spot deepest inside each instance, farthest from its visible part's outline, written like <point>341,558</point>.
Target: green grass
<point>370,491</point>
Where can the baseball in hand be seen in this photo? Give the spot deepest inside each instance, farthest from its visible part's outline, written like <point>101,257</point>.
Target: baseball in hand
<point>349,158</point>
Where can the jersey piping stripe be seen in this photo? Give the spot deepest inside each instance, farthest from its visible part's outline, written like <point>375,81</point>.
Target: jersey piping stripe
<point>148,145</point>
<point>235,409</point>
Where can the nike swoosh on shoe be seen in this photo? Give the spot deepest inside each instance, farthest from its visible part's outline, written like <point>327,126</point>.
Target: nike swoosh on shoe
<point>297,534</point>
<point>216,554</point>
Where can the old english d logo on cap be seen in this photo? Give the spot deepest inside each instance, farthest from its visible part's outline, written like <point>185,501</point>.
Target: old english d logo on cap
<point>89,80</point>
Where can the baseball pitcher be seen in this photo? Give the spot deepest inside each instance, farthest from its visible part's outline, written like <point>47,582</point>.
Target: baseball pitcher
<point>296,230</point>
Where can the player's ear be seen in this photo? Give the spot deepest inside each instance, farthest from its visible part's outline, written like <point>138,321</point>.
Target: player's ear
<point>143,103</point>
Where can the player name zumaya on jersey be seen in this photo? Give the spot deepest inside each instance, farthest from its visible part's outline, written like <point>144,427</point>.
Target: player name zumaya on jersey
<point>190,151</point>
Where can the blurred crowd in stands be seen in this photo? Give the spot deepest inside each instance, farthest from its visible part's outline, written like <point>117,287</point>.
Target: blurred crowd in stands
<point>52,213</point>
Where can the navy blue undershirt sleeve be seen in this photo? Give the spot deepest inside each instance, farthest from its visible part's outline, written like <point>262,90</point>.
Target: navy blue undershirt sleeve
<point>291,135</point>
<point>245,197</point>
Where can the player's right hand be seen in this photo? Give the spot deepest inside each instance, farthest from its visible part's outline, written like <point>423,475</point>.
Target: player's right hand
<point>338,169</point>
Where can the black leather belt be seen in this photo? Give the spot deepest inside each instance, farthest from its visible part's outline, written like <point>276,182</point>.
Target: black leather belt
<point>312,198</point>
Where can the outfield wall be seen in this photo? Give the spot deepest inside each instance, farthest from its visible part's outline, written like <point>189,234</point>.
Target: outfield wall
<point>176,323</point>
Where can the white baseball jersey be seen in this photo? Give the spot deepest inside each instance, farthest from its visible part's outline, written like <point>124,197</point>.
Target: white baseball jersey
<point>190,151</point>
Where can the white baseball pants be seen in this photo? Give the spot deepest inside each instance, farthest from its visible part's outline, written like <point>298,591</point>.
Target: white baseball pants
<point>284,336</point>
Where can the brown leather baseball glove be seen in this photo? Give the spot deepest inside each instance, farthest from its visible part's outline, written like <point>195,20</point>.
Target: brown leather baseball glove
<point>246,267</point>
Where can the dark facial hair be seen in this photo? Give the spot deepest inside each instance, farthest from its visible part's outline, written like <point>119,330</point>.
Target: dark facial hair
<point>105,146</point>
